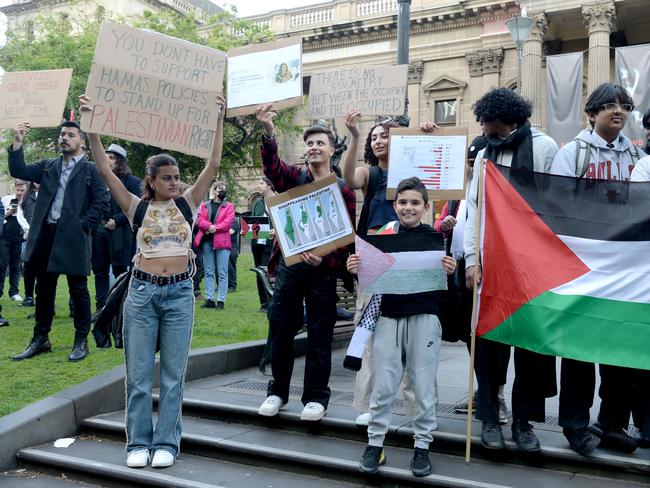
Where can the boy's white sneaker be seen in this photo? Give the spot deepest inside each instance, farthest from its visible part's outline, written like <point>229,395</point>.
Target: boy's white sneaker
<point>162,459</point>
<point>16,298</point>
<point>271,406</point>
<point>313,411</point>
<point>363,419</point>
<point>138,458</point>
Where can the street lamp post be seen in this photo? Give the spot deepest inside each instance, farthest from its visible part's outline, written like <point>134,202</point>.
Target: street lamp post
<point>519,27</point>
<point>403,27</point>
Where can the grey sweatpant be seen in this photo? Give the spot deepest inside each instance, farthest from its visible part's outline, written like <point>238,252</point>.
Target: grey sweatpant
<point>411,343</point>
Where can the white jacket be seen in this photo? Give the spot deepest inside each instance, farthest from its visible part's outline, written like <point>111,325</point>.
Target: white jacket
<point>605,163</point>
<point>544,149</point>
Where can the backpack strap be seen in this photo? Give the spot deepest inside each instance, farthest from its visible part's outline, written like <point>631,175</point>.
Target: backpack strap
<point>185,209</point>
<point>583,153</point>
<point>139,214</point>
<point>634,154</point>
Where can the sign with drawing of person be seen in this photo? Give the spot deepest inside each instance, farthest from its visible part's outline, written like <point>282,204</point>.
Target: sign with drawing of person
<point>265,73</point>
<point>311,217</point>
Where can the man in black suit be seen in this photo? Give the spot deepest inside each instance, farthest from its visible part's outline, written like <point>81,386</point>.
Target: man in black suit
<point>71,201</point>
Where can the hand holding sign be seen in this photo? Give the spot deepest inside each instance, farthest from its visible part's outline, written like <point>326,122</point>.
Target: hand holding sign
<point>20,131</point>
<point>265,117</point>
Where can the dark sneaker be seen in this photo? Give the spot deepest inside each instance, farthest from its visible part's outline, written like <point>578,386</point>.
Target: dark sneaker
<point>503,411</point>
<point>421,464</point>
<point>616,439</point>
<point>463,407</point>
<point>642,440</point>
<point>372,458</point>
<point>220,305</point>
<point>581,440</point>
<point>491,436</point>
<point>209,304</point>
<point>523,435</point>
<point>27,302</point>
<point>3,322</point>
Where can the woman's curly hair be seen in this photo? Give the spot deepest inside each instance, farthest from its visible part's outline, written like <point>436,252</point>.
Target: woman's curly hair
<point>502,104</point>
<point>368,155</point>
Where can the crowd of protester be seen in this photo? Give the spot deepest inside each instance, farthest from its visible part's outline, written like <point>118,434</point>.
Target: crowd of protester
<point>68,215</point>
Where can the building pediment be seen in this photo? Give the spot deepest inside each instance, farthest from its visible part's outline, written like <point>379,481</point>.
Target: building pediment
<point>444,83</point>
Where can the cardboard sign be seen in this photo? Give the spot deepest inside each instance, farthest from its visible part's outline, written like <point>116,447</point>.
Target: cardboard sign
<point>154,89</point>
<point>437,158</point>
<point>372,90</point>
<point>311,217</point>
<point>37,97</point>
<point>265,73</point>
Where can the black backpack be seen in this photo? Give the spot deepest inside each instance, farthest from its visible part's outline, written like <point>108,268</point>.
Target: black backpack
<point>374,173</point>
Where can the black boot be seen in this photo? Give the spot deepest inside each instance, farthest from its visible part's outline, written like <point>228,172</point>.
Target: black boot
<point>524,437</point>
<point>36,346</point>
<point>79,351</point>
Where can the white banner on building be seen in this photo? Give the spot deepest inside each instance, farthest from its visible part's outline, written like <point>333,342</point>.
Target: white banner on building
<point>633,73</point>
<point>564,113</point>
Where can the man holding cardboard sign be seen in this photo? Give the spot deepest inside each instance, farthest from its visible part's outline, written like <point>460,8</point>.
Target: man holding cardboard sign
<point>313,279</point>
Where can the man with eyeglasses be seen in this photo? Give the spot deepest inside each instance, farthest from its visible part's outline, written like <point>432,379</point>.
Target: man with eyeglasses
<point>601,152</point>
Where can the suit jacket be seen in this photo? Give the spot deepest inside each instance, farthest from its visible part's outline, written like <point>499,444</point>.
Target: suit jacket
<point>85,202</point>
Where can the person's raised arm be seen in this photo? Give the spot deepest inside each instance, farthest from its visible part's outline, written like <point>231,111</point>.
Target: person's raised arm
<point>265,115</point>
<point>118,191</point>
<point>355,177</point>
<point>202,184</point>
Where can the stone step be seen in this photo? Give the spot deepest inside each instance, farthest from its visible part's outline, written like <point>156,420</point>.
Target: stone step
<point>275,445</point>
<point>103,460</point>
<point>24,478</point>
<point>448,438</point>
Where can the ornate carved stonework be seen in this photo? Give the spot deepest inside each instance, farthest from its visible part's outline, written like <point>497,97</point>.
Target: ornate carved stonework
<point>415,72</point>
<point>485,61</point>
<point>599,16</point>
<point>540,26</point>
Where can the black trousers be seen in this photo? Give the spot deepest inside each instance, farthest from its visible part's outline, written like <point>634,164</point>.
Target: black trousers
<point>101,264</point>
<point>261,256</point>
<point>577,386</point>
<point>232,270</point>
<point>641,400</point>
<point>10,258</point>
<point>29,280</point>
<point>318,289</point>
<point>46,290</point>
<point>534,381</point>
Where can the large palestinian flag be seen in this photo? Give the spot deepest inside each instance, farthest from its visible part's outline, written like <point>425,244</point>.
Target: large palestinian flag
<point>566,266</point>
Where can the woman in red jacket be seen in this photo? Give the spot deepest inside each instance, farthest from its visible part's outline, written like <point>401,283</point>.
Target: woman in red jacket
<point>214,221</point>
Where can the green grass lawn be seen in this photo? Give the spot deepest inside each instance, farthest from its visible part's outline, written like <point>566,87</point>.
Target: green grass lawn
<point>24,382</point>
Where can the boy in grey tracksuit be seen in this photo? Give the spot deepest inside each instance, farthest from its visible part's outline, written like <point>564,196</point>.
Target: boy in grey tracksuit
<point>407,335</point>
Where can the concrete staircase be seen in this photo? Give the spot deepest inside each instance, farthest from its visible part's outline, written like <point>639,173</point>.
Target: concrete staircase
<point>226,444</point>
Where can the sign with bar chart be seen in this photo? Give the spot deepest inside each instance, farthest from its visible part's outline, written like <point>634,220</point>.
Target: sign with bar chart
<point>437,158</point>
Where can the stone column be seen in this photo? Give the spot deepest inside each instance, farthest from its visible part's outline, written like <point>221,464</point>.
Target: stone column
<point>484,69</point>
<point>599,19</point>
<point>531,84</point>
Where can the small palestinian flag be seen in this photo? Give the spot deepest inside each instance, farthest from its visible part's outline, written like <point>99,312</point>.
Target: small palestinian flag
<point>566,266</point>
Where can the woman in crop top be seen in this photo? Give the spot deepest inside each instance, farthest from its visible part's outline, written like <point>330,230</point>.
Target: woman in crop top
<point>159,306</point>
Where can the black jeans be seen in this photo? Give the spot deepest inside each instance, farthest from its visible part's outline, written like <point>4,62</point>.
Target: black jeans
<point>10,258</point>
<point>232,270</point>
<point>261,256</point>
<point>101,264</point>
<point>318,288</point>
<point>29,280</point>
<point>46,290</point>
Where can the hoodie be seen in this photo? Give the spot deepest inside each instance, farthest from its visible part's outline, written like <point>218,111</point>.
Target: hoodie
<point>605,163</point>
<point>544,150</point>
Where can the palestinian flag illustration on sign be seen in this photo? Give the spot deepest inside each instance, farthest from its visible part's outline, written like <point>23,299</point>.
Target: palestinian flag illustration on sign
<point>566,266</point>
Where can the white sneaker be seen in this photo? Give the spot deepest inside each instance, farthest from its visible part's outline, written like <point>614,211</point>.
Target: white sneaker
<point>162,459</point>
<point>313,411</point>
<point>271,406</point>
<point>138,458</point>
<point>16,298</point>
<point>363,419</point>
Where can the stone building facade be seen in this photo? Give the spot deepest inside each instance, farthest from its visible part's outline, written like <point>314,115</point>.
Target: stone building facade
<point>459,49</point>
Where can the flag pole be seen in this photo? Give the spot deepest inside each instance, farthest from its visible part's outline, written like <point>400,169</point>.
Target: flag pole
<point>472,354</point>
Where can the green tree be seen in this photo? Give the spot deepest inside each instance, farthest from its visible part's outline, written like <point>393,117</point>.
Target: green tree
<point>72,45</point>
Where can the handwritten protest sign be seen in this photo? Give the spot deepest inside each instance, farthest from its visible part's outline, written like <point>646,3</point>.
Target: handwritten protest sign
<point>311,217</point>
<point>437,158</point>
<point>37,97</point>
<point>265,73</point>
<point>154,89</point>
<point>372,90</point>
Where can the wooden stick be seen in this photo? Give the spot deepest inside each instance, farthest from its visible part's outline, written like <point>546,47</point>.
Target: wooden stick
<point>472,354</point>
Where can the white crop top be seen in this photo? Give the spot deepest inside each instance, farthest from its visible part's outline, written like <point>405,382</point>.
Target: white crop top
<point>164,231</point>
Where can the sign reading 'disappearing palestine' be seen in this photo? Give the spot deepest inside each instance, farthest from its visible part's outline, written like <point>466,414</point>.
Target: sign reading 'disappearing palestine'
<point>155,89</point>
<point>37,97</point>
<point>372,90</point>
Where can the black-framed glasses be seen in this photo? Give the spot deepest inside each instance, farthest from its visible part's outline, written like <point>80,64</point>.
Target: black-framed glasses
<point>612,107</point>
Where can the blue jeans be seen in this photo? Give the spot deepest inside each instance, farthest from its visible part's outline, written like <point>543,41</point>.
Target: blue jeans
<point>219,257</point>
<point>155,313</point>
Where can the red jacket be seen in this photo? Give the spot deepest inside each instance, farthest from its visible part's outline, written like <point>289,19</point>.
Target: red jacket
<point>225,218</point>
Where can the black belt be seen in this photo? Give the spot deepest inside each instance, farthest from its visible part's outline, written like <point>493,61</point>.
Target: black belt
<point>160,280</point>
